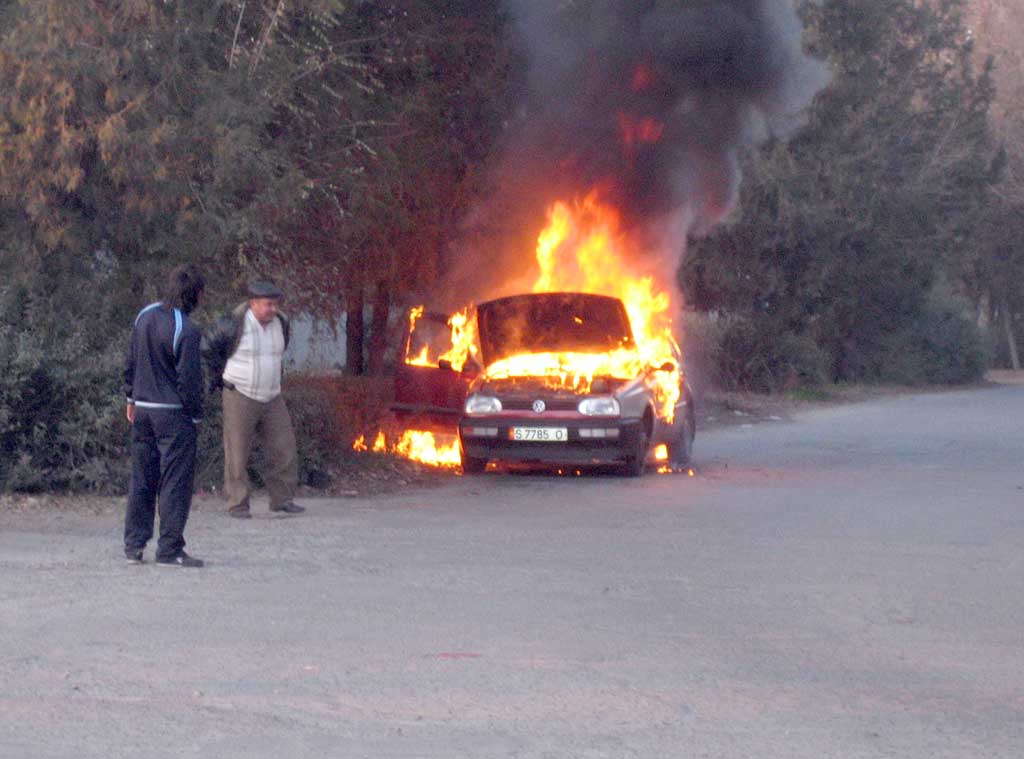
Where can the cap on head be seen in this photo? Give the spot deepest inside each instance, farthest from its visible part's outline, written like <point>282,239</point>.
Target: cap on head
<point>260,288</point>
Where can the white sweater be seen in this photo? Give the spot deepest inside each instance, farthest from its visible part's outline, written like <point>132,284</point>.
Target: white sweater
<point>255,366</point>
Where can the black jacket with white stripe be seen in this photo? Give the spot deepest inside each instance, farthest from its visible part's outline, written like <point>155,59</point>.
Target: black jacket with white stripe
<point>162,368</point>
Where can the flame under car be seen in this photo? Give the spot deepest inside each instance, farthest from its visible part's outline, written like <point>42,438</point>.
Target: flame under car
<point>564,384</point>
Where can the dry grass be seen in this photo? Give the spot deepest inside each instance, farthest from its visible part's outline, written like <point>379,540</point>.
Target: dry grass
<point>1005,377</point>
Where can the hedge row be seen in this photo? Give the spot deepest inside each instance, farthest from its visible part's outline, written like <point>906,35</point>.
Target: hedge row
<point>63,428</point>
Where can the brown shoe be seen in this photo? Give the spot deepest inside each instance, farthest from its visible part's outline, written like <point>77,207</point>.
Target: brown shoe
<point>289,508</point>
<point>240,512</point>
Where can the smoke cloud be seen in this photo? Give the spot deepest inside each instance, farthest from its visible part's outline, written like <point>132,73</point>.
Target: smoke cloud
<point>652,101</point>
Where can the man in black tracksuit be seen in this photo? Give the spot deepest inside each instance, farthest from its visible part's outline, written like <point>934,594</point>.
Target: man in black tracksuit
<point>164,386</point>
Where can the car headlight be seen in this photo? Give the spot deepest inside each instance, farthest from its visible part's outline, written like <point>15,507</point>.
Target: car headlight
<point>482,404</point>
<point>599,406</point>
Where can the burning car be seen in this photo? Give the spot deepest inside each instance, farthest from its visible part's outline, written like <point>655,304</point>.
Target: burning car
<point>556,378</point>
<point>582,370</point>
<point>564,383</point>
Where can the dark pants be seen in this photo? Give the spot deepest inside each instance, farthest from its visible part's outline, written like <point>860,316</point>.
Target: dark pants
<point>164,466</point>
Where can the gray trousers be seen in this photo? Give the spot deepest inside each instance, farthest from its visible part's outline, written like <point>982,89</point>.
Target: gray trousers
<point>244,420</point>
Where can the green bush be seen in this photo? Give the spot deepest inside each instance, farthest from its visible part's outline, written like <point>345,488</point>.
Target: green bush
<point>744,353</point>
<point>328,412</point>
<point>942,346</point>
<point>62,423</point>
<point>62,428</point>
<point>62,420</point>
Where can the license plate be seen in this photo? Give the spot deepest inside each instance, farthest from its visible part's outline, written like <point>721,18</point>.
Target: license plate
<point>540,434</point>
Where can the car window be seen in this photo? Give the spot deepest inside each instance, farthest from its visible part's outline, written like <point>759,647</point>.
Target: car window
<point>429,338</point>
<point>552,322</point>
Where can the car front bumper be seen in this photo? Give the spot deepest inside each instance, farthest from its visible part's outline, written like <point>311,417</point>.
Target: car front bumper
<point>491,438</point>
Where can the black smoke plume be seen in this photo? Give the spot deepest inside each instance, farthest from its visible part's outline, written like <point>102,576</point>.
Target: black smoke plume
<point>657,97</point>
<point>651,101</point>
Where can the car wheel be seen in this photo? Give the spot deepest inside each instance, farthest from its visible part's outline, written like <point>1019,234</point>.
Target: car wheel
<point>680,450</point>
<point>637,459</point>
<point>471,464</point>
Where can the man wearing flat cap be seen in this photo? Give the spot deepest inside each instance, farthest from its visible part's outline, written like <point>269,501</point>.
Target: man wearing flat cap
<point>244,354</point>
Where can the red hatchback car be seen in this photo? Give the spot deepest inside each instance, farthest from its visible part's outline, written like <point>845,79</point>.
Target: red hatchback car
<point>507,410</point>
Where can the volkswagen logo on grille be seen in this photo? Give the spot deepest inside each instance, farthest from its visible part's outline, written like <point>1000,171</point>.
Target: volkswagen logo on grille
<point>538,406</point>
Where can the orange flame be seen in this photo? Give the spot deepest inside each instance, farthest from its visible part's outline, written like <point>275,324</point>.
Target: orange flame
<point>415,445</point>
<point>580,250</point>
<point>379,445</point>
<point>422,358</point>
<point>414,316</point>
<point>422,446</point>
<point>583,250</point>
<point>463,341</point>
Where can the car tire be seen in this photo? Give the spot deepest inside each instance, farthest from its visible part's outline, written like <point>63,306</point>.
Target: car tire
<point>471,464</point>
<point>680,450</point>
<point>636,462</point>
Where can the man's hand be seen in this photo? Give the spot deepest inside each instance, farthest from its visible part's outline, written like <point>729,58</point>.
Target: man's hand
<point>130,412</point>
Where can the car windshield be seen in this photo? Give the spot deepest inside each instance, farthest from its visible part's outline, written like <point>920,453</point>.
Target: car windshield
<point>552,322</point>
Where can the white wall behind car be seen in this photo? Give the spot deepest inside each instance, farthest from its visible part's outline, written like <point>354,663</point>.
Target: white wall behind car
<point>315,344</point>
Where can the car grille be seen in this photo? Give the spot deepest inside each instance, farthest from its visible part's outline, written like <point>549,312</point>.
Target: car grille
<point>526,404</point>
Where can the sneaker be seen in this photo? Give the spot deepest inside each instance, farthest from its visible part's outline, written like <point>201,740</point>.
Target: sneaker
<point>181,560</point>
<point>240,513</point>
<point>289,508</point>
<point>133,555</point>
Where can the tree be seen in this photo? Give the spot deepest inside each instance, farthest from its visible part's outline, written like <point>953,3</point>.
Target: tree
<point>994,273</point>
<point>188,130</point>
<point>382,208</point>
<point>842,232</point>
<point>134,134</point>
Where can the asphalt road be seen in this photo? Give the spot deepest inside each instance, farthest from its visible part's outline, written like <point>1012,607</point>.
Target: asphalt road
<point>846,585</point>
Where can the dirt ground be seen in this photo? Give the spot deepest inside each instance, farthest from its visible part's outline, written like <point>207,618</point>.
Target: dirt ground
<point>835,580</point>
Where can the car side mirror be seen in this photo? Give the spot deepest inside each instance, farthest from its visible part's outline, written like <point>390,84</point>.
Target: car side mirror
<point>445,364</point>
